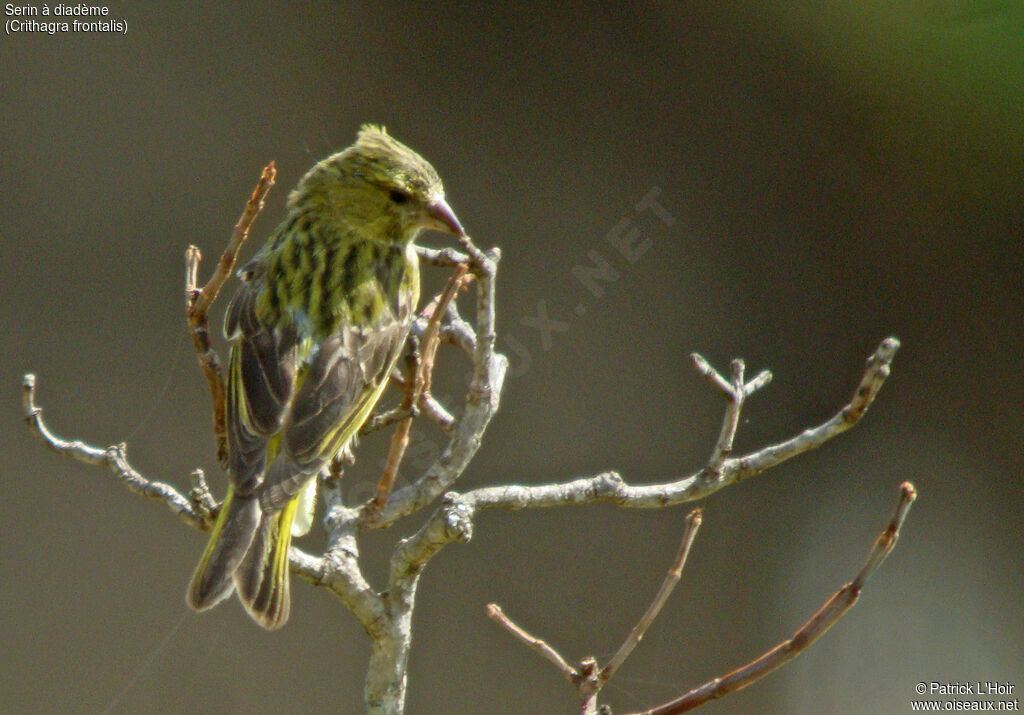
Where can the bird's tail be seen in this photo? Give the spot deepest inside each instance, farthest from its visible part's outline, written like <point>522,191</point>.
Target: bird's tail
<point>233,534</point>
<point>262,577</point>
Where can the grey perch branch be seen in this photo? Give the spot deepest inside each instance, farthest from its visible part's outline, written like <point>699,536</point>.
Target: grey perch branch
<point>720,471</point>
<point>387,614</point>
<point>197,510</point>
<point>114,458</point>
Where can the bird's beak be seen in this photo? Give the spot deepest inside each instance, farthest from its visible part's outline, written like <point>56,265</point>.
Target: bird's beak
<point>440,217</point>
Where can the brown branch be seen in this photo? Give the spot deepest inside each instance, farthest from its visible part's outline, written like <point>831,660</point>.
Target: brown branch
<point>481,403</point>
<point>588,678</point>
<point>385,419</point>
<point>421,381</point>
<point>400,438</point>
<point>436,412</point>
<point>693,520</point>
<point>431,336</point>
<point>820,622</point>
<point>198,302</point>
<point>538,645</point>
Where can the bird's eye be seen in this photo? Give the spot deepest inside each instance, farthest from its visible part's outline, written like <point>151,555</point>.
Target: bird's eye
<point>398,197</point>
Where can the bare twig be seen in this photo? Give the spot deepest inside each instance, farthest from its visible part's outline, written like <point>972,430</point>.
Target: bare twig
<point>416,551</point>
<point>538,645</point>
<point>479,262</point>
<point>457,331</point>
<point>431,336</point>
<point>115,458</point>
<point>442,257</point>
<point>420,386</point>
<point>200,495</point>
<point>437,413</point>
<point>204,300</point>
<point>385,419</point>
<point>820,622</point>
<point>489,369</point>
<point>735,391</point>
<point>875,372</point>
<point>400,437</point>
<point>712,375</point>
<point>589,678</point>
<point>693,520</point>
<point>198,303</point>
<point>609,487</point>
<point>399,442</point>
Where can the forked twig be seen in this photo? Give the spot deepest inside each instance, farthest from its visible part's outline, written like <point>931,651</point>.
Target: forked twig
<point>820,622</point>
<point>736,391</point>
<point>610,487</point>
<point>588,678</point>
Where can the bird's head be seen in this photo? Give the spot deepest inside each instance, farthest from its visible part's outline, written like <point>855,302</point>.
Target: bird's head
<point>379,188</point>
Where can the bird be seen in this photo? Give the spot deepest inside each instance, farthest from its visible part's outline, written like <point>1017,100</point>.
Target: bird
<point>320,318</point>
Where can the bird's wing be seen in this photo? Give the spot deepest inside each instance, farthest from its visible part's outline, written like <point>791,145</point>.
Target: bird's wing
<point>341,387</point>
<point>261,373</point>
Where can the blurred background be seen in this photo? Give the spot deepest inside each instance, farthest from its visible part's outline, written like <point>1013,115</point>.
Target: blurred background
<point>832,175</point>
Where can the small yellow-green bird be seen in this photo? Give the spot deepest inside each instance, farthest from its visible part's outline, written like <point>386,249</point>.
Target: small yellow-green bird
<point>321,316</point>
